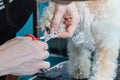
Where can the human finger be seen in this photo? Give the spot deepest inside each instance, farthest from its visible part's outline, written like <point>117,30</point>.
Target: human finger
<point>30,68</point>
<point>43,65</point>
<point>68,22</point>
<point>58,15</point>
<point>42,55</point>
<point>42,44</point>
<point>67,16</point>
<point>39,45</point>
<point>68,33</point>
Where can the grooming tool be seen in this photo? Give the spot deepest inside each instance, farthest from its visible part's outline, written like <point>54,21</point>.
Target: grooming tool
<point>46,37</point>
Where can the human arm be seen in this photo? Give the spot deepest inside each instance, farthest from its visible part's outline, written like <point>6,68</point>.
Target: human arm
<point>23,56</point>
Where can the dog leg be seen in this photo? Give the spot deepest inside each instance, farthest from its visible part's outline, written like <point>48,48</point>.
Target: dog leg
<point>105,60</point>
<point>79,62</point>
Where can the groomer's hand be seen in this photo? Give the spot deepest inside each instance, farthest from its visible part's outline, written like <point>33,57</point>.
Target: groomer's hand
<point>23,56</point>
<point>71,15</point>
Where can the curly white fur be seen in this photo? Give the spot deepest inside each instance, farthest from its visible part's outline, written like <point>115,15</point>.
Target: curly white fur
<point>99,31</point>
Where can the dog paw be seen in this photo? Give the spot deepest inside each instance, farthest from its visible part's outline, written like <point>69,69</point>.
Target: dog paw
<point>79,79</point>
<point>79,74</point>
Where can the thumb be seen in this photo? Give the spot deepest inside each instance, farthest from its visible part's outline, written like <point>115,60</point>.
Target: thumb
<point>58,15</point>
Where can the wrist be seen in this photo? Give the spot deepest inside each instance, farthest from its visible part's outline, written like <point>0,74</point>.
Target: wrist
<point>4,62</point>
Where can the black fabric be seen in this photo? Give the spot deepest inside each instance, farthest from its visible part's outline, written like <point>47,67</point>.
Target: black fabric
<point>19,11</point>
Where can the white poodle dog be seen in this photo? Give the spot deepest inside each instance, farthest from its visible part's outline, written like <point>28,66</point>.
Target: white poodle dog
<point>98,31</point>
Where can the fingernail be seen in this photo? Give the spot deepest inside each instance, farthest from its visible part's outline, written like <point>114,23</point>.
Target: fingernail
<point>52,30</point>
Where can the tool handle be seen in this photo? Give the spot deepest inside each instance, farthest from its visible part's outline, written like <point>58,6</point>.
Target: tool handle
<point>33,37</point>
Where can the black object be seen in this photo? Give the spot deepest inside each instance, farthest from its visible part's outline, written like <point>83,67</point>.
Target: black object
<point>60,72</point>
<point>19,12</point>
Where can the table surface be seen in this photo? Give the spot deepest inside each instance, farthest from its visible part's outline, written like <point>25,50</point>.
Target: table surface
<point>60,72</point>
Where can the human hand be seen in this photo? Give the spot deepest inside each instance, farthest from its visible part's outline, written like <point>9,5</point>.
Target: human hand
<point>23,56</point>
<point>71,16</point>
